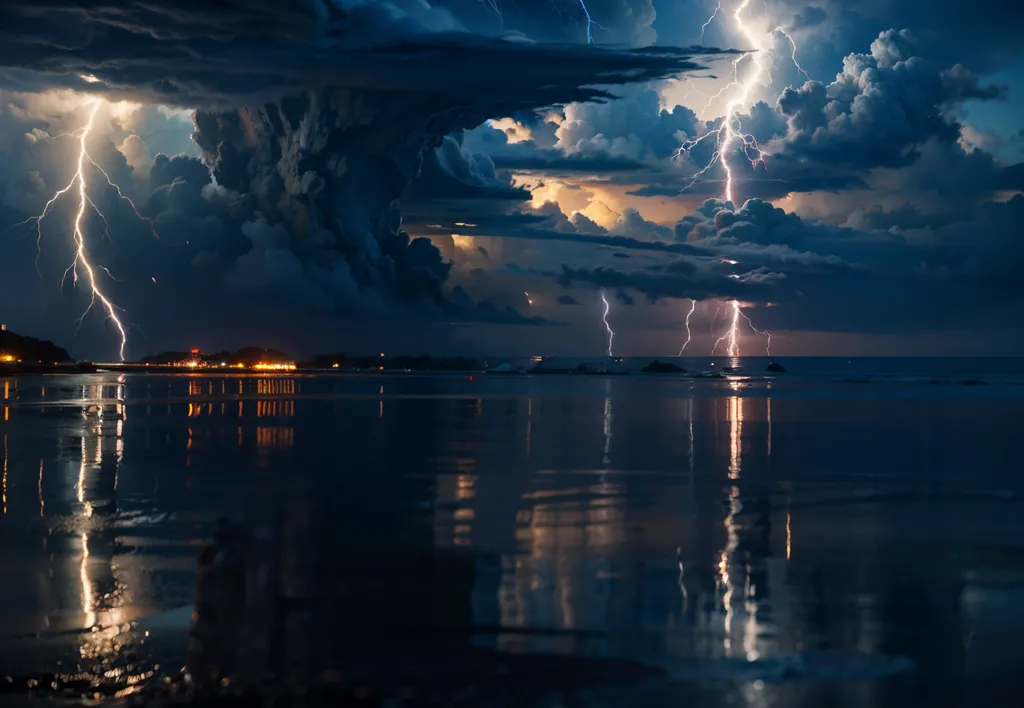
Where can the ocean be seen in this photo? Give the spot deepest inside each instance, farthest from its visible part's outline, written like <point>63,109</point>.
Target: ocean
<point>849,533</point>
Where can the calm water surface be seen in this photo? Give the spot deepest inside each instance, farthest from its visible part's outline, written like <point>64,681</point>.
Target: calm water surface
<point>765,542</point>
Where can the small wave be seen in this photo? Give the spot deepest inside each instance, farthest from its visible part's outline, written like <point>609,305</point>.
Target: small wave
<point>929,380</point>
<point>139,519</point>
<point>810,666</point>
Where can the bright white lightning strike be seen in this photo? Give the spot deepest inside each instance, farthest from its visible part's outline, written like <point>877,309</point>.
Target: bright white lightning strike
<point>81,259</point>
<point>611,334</point>
<point>729,136</point>
<point>732,335</point>
<point>693,306</point>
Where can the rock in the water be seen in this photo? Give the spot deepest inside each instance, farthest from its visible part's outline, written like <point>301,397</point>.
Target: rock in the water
<point>662,367</point>
<point>776,368</point>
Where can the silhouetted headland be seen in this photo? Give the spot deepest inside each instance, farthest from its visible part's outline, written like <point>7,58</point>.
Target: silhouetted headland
<point>20,354</point>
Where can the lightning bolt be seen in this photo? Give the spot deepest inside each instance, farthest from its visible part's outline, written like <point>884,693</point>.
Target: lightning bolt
<point>81,259</point>
<point>732,335</point>
<point>729,137</point>
<point>493,5</point>
<point>611,334</point>
<point>792,56</point>
<point>718,311</point>
<point>704,27</point>
<point>763,333</point>
<point>693,306</point>
<point>591,24</point>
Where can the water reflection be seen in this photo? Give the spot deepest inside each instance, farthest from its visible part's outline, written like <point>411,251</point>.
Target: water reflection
<point>606,459</point>
<point>487,507</point>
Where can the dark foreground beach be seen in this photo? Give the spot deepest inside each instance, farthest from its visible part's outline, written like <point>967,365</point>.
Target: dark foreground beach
<point>765,541</point>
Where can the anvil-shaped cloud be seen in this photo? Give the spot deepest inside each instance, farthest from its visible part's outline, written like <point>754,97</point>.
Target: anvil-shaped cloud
<point>312,118</point>
<point>247,52</point>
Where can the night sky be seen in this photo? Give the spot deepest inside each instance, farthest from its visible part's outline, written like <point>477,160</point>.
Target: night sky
<point>468,177</point>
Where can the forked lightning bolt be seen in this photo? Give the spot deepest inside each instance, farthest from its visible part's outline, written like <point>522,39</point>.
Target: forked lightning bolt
<point>729,136</point>
<point>604,316</point>
<point>590,22</point>
<point>763,333</point>
<point>81,259</point>
<point>729,139</point>
<point>693,306</point>
<point>732,335</point>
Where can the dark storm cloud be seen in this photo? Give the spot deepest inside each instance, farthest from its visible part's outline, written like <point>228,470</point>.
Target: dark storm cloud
<point>681,279</point>
<point>982,254</point>
<point>452,171</point>
<point>511,227</point>
<point>837,279</point>
<point>985,34</point>
<point>191,54</point>
<point>568,300</point>
<point>809,16</point>
<point>750,182</point>
<point>555,163</point>
<point>189,169</point>
<point>618,22</point>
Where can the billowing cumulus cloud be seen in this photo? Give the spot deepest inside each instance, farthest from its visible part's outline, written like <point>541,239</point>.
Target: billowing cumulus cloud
<point>879,110</point>
<point>634,127</point>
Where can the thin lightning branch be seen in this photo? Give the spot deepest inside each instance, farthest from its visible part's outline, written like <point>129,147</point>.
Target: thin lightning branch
<point>493,5</point>
<point>792,44</point>
<point>714,319</point>
<point>765,333</point>
<point>81,259</point>
<point>106,224</point>
<point>110,182</point>
<point>693,306</point>
<point>704,27</point>
<point>591,24</point>
<point>693,89</point>
<point>611,334</point>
